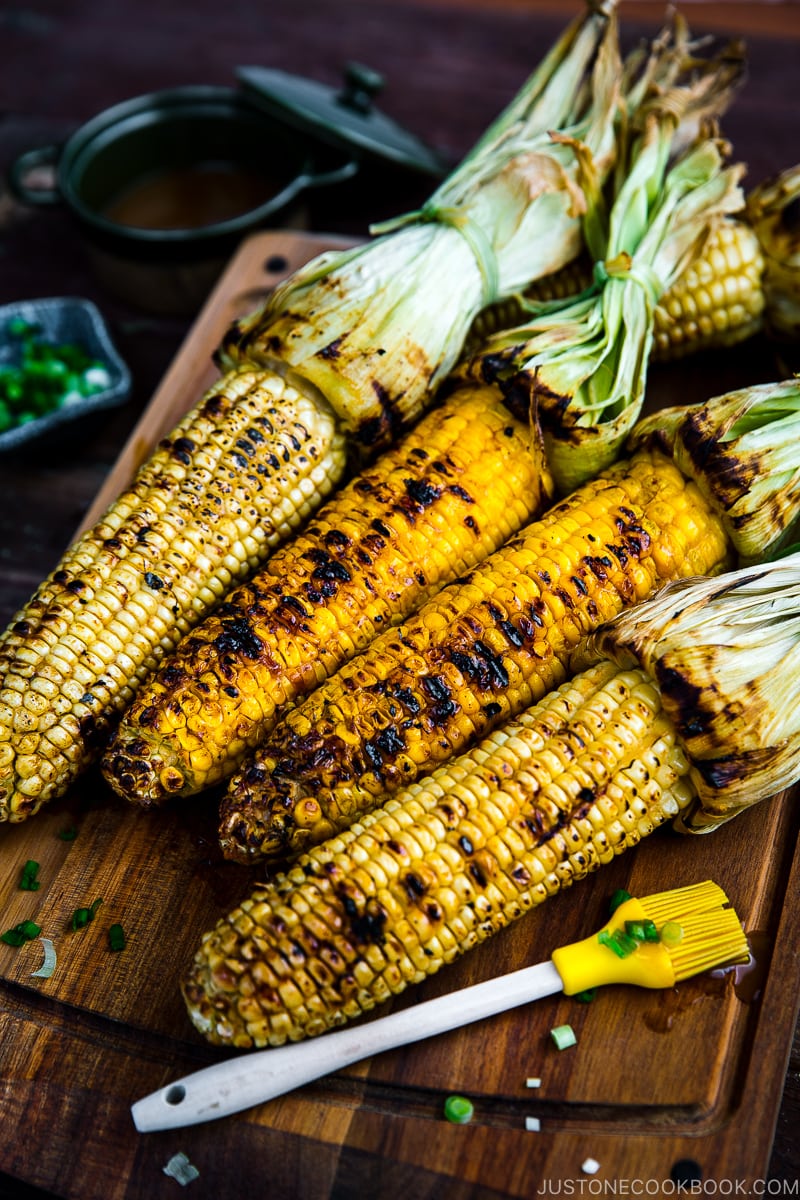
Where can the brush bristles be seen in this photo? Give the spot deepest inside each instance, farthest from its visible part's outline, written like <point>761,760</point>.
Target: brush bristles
<point>675,904</point>
<point>712,934</point>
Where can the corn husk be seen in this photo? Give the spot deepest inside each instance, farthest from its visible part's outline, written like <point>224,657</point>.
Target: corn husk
<point>581,363</point>
<point>725,654</point>
<point>773,210</point>
<point>375,328</point>
<point>741,450</point>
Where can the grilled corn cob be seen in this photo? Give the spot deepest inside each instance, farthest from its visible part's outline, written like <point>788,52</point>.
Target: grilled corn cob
<point>719,299</point>
<point>454,858</point>
<point>585,774</point>
<point>237,475</point>
<point>489,646</point>
<point>458,486</point>
<point>483,649</point>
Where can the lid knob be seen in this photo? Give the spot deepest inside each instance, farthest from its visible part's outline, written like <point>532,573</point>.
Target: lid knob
<point>361,85</point>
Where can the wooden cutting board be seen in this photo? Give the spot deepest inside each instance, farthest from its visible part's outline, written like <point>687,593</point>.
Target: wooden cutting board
<point>688,1076</point>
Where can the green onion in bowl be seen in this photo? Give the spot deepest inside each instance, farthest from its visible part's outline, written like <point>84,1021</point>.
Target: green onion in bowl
<point>57,362</point>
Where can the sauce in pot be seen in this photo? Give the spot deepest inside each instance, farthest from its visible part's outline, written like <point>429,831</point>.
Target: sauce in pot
<point>190,197</point>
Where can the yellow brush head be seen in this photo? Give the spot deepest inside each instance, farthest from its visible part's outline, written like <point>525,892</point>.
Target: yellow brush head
<point>705,930</point>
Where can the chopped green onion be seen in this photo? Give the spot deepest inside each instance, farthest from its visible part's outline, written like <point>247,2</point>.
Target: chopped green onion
<point>587,996</point>
<point>458,1110</point>
<point>28,882</point>
<point>69,834</point>
<point>83,916</point>
<point>45,376</point>
<point>618,941</point>
<point>563,1036</point>
<point>26,931</point>
<point>48,963</point>
<point>116,937</point>
<point>672,933</point>
<point>642,931</point>
<point>619,897</point>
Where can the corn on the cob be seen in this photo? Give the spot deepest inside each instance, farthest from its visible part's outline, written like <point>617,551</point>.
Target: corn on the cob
<point>718,301</point>
<point>451,860</point>
<point>236,476</point>
<point>483,649</point>
<point>582,364</point>
<point>458,486</point>
<point>666,726</point>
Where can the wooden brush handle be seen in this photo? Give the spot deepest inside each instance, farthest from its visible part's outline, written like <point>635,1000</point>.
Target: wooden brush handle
<point>250,1079</point>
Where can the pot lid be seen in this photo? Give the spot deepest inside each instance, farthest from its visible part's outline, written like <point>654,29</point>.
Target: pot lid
<point>343,117</point>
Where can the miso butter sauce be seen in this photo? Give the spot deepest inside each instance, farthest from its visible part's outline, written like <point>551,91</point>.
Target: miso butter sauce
<point>190,197</point>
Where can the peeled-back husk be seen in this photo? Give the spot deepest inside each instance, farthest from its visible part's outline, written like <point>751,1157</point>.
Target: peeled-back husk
<point>725,655</point>
<point>741,450</point>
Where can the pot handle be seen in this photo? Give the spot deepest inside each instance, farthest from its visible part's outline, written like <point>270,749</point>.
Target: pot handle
<point>337,175</point>
<point>20,168</point>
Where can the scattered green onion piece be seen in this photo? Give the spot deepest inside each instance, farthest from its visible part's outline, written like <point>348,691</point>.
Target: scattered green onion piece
<point>458,1110</point>
<point>672,933</point>
<point>83,916</point>
<point>619,897</point>
<point>116,937</point>
<point>48,963</point>
<point>28,881</point>
<point>69,834</point>
<point>587,996</point>
<point>563,1036</point>
<point>180,1169</point>
<point>26,931</point>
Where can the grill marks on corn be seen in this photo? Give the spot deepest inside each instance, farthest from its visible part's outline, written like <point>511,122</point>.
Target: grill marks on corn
<point>194,521</point>
<point>447,863</point>
<point>489,645</point>
<point>387,541</point>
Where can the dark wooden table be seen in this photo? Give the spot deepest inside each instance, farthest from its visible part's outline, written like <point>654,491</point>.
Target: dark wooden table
<point>449,66</point>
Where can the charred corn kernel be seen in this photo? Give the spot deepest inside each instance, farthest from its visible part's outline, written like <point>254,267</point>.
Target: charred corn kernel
<point>719,299</point>
<point>461,483</point>
<point>241,471</point>
<point>462,854</point>
<point>423,692</point>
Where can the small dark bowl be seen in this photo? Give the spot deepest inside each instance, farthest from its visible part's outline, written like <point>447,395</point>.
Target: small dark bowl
<point>176,132</point>
<point>64,319</point>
